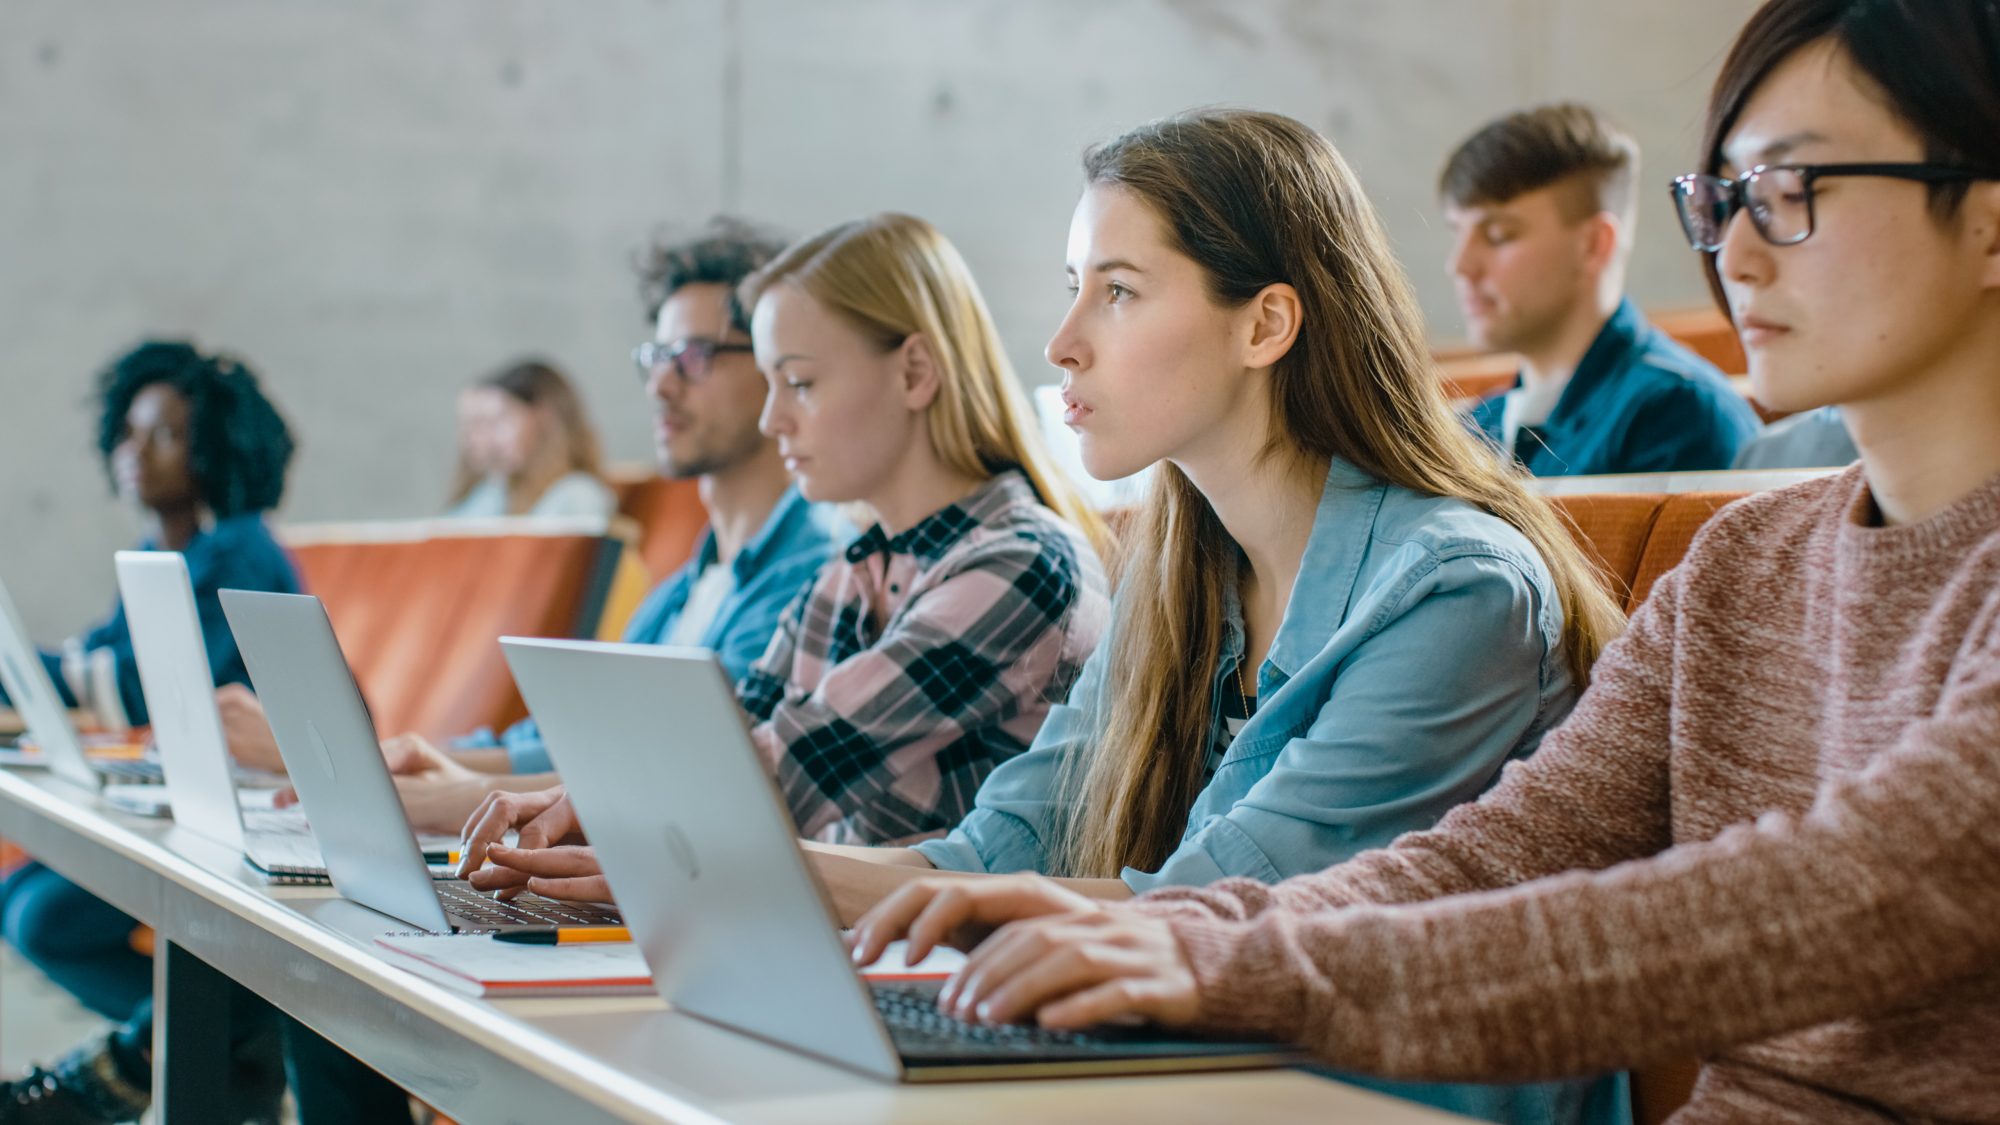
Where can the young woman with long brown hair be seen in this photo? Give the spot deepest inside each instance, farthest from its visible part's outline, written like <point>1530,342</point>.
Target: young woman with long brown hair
<point>1765,837</point>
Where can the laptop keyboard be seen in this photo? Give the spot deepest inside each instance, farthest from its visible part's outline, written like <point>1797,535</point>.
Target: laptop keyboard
<point>128,769</point>
<point>473,910</point>
<point>911,1012</point>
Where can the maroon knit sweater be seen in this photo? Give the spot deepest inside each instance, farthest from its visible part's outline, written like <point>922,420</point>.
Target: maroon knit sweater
<point>1769,835</point>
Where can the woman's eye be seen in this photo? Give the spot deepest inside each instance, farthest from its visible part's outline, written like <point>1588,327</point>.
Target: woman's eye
<point>1072,289</point>
<point>1118,292</point>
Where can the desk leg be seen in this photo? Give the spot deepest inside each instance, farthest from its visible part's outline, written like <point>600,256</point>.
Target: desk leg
<point>190,1039</point>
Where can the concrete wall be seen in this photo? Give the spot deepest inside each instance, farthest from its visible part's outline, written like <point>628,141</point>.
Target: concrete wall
<point>374,201</point>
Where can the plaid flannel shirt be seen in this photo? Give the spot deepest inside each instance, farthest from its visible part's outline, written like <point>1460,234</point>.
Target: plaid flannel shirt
<point>913,666</point>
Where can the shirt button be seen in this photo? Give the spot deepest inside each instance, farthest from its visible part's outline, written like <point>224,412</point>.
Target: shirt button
<point>894,588</point>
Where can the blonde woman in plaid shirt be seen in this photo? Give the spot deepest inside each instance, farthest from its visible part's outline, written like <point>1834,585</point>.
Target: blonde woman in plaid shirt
<point>927,653</point>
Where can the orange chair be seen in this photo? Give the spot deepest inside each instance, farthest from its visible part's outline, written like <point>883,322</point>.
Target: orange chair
<point>1612,528</point>
<point>418,613</point>
<point>1707,333</point>
<point>669,515</point>
<point>1681,516</point>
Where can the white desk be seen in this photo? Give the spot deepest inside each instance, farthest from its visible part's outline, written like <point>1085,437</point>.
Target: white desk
<point>546,1061</point>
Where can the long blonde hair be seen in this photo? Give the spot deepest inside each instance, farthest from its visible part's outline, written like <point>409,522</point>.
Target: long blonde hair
<point>895,276</point>
<point>1256,199</point>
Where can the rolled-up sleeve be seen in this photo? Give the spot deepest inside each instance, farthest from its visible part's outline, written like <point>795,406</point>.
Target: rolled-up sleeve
<point>1420,717</point>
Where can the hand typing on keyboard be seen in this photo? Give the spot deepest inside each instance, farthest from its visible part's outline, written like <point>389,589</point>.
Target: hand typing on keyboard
<point>1056,959</point>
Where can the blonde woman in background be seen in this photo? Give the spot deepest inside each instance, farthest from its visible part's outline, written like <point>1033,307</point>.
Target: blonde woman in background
<point>527,448</point>
<point>928,653</point>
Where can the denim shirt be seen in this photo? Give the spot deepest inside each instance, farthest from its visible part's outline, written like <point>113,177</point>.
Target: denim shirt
<point>796,540</point>
<point>1420,651</point>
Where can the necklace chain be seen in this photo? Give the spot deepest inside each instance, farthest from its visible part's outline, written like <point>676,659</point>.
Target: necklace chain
<point>1242,688</point>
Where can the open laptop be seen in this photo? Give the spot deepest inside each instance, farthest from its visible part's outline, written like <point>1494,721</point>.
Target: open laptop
<point>701,852</point>
<point>34,695</point>
<point>328,742</point>
<point>201,780</point>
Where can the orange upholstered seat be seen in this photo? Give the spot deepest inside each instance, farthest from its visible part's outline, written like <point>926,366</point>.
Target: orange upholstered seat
<point>1673,531</point>
<point>669,515</point>
<point>1612,527</point>
<point>418,614</point>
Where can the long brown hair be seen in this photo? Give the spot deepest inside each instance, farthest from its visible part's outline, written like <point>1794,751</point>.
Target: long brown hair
<point>894,276</point>
<point>533,382</point>
<point>1256,199</point>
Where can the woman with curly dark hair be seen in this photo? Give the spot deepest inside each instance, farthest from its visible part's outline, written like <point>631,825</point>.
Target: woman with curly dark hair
<point>190,440</point>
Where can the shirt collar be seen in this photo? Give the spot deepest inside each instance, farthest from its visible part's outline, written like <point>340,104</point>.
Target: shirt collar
<point>934,535</point>
<point>1343,526</point>
<point>1605,356</point>
<point>781,529</point>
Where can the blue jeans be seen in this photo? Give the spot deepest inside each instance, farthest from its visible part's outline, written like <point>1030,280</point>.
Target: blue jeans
<point>80,941</point>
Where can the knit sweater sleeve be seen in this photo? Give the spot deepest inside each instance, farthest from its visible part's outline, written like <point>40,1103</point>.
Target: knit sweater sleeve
<point>1594,794</point>
<point>1879,895</point>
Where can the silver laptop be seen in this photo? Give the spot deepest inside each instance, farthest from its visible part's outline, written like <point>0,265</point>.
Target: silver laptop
<point>329,745</point>
<point>701,852</point>
<point>201,781</point>
<point>34,695</point>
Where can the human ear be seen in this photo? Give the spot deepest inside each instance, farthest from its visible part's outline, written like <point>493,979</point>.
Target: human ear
<point>920,375</point>
<point>1606,232</point>
<point>1275,317</point>
<point>1982,206</point>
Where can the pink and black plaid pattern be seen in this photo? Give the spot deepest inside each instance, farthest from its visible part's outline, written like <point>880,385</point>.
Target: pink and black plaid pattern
<point>914,665</point>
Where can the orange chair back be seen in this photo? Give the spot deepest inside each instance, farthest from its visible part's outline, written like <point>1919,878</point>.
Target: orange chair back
<point>670,519</point>
<point>418,618</point>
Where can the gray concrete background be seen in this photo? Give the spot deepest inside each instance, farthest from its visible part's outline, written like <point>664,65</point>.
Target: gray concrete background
<point>375,201</point>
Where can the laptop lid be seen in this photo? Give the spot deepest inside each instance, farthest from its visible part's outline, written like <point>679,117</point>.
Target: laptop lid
<point>180,693</point>
<point>328,742</point>
<point>698,848</point>
<point>36,698</point>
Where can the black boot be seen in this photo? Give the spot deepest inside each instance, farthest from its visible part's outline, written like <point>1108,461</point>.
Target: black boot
<point>84,1088</point>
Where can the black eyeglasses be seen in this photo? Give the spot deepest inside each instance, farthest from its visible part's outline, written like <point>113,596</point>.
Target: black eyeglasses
<point>1779,197</point>
<point>693,357</point>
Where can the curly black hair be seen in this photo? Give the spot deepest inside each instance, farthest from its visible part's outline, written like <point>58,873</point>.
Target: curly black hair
<point>725,252</point>
<point>238,443</point>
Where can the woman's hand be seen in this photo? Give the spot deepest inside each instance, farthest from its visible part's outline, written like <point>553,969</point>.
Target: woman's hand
<point>544,817</point>
<point>245,730</point>
<point>1104,964</point>
<point>956,911</point>
<point>1053,955</point>
<point>438,791</point>
<point>566,872</point>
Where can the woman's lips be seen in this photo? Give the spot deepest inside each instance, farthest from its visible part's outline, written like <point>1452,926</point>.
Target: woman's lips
<point>1074,412</point>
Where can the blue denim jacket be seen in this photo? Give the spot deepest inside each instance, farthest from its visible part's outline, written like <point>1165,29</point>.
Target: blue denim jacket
<point>1420,652</point>
<point>768,573</point>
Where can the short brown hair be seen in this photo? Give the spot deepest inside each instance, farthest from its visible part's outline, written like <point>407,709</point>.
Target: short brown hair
<point>1551,144</point>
